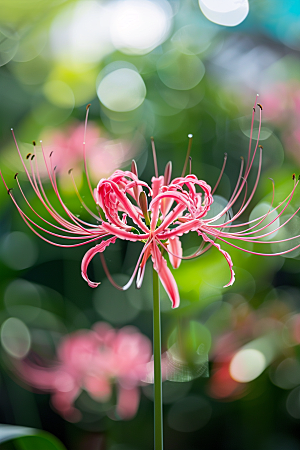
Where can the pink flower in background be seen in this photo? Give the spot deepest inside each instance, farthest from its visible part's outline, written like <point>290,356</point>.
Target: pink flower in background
<point>94,360</point>
<point>282,107</point>
<point>104,155</point>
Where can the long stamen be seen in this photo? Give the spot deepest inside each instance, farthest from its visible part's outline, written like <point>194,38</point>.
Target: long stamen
<point>249,239</point>
<point>248,168</point>
<point>258,253</point>
<point>84,150</point>
<point>190,136</point>
<point>40,217</point>
<point>261,218</point>
<point>251,131</point>
<point>154,157</point>
<point>27,220</point>
<point>70,172</point>
<point>40,192</point>
<point>52,178</point>
<point>221,174</point>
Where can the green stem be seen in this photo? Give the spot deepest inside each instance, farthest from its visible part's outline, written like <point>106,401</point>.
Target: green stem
<point>158,423</point>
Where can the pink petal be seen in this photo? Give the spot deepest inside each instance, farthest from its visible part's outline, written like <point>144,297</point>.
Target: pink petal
<point>128,402</point>
<point>176,250</point>
<point>157,183</point>
<point>98,386</point>
<point>225,254</point>
<point>165,275</point>
<point>89,256</point>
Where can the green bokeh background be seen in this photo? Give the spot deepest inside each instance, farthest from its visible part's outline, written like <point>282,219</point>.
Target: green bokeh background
<point>202,78</point>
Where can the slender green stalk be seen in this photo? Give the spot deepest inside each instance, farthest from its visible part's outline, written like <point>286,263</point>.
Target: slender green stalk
<point>158,422</point>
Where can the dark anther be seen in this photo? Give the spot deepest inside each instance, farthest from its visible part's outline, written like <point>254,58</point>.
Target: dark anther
<point>87,106</point>
<point>32,157</point>
<point>258,104</point>
<point>34,143</point>
<point>69,171</point>
<point>28,155</point>
<point>260,146</point>
<point>9,191</point>
<point>298,177</point>
<point>54,168</point>
<point>253,109</point>
<point>294,176</point>
<point>15,177</point>
<point>50,154</point>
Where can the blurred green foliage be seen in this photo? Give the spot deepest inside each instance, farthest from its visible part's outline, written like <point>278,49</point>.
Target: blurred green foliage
<point>196,77</point>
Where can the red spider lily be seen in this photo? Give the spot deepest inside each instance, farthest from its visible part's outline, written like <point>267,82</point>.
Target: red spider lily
<point>174,208</point>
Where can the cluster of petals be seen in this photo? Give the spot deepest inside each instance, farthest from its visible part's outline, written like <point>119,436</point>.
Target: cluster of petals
<point>157,215</point>
<point>94,361</point>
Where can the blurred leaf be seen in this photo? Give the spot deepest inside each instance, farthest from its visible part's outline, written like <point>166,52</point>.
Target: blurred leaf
<point>187,356</point>
<point>29,438</point>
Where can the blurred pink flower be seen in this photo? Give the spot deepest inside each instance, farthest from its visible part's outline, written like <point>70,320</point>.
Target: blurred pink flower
<point>94,360</point>
<point>104,155</point>
<point>282,107</point>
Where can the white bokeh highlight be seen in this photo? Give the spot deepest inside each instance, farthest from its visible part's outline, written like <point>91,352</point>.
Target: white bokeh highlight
<point>225,12</point>
<point>121,90</point>
<point>247,364</point>
<point>138,26</point>
<point>15,337</point>
<point>80,33</point>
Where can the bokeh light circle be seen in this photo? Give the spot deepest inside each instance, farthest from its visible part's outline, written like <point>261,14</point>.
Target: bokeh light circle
<point>180,71</point>
<point>261,210</point>
<point>113,305</point>
<point>22,299</point>
<point>225,12</point>
<point>189,414</point>
<point>59,93</point>
<point>193,39</point>
<point>247,364</point>
<point>138,26</point>
<point>15,337</point>
<point>80,33</point>
<point>122,90</point>
<point>18,251</point>
<point>293,403</point>
<point>290,229</point>
<point>8,47</point>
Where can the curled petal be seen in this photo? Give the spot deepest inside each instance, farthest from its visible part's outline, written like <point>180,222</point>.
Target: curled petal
<point>165,275</point>
<point>176,249</point>
<point>225,254</point>
<point>89,256</point>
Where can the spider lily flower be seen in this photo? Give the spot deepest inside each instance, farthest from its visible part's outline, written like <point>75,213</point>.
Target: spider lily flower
<point>93,361</point>
<point>158,215</point>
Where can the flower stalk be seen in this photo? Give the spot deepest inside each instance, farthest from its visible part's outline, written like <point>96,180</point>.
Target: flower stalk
<point>158,420</point>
